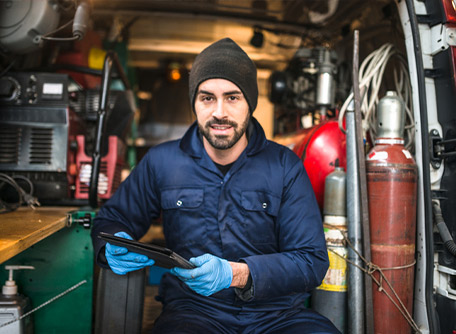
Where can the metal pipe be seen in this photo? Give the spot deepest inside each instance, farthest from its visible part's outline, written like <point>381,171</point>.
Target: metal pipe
<point>355,291</point>
<point>368,305</point>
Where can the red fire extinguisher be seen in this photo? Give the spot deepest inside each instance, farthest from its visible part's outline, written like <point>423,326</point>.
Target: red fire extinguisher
<point>392,189</point>
<point>321,150</point>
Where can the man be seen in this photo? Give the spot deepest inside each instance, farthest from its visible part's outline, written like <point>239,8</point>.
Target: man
<point>241,207</point>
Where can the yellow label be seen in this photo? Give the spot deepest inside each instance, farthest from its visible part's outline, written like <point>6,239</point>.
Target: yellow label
<point>96,58</point>
<point>336,276</point>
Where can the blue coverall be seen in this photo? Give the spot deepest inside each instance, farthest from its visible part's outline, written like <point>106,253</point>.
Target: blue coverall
<point>262,212</point>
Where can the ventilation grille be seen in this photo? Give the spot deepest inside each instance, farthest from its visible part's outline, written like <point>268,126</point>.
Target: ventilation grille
<point>10,145</point>
<point>41,146</point>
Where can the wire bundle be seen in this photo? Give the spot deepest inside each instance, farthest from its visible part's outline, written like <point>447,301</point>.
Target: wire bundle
<point>371,74</point>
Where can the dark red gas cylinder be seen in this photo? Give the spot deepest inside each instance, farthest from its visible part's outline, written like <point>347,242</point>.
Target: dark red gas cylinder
<point>321,150</point>
<point>392,189</point>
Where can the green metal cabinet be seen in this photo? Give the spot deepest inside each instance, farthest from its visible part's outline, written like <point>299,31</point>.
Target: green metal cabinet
<point>61,261</point>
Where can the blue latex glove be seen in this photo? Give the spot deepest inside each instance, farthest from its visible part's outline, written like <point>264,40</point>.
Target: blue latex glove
<point>122,261</point>
<point>211,275</point>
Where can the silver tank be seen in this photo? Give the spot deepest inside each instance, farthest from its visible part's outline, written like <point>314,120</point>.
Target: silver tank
<point>335,200</point>
<point>390,116</point>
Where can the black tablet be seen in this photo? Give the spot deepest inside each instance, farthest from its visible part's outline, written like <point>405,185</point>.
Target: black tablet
<point>162,256</point>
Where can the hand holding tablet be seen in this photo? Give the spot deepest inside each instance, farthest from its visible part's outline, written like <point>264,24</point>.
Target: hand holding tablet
<point>162,256</point>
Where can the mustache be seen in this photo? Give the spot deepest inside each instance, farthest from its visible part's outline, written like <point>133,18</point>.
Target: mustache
<point>215,121</point>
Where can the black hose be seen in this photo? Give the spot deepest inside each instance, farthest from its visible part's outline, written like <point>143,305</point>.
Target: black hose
<point>429,285</point>
<point>443,229</point>
<point>111,62</point>
<point>451,246</point>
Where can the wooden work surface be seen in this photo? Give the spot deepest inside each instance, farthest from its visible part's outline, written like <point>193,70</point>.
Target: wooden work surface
<point>24,227</point>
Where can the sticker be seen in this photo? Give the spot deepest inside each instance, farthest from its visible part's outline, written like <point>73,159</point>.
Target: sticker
<point>52,88</point>
<point>336,276</point>
<point>334,237</point>
<point>407,154</point>
<point>378,155</point>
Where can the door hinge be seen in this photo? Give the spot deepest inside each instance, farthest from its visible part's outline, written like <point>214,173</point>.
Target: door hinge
<point>442,37</point>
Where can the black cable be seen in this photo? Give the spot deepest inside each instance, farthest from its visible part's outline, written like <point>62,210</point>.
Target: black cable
<point>60,39</point>
<point>27,180</point>
<point>5,206</point>
<point>47,37</point>
<point>23,196</point>
<point>7,68</point>
<point>73,5</point>
<point>429,296</point>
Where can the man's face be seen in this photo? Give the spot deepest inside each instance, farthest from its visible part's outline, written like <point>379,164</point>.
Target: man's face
<point>222,113</point>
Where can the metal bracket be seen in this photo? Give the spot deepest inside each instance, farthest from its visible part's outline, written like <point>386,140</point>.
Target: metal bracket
<point>69,219</point>
<point>83,218</point>
<point>85,221</point>
<point>439,194</point>
<point>444,287</point>
<point>439,149</point>
<point>435,148</point>
<point>442,37</point>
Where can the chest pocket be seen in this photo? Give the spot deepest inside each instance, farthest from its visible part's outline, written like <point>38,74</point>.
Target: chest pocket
<point>182,198</point>
<point>260,210</point>
<point>261,202</point>
<point>183,221</point>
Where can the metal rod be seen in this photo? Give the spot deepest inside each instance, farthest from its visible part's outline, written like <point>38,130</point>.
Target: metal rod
<point>448,141</point>
<point>355,292</point>
<point>446,155</point>
<point>368,306</point>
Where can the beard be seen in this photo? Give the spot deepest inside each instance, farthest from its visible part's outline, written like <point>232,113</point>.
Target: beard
<point>222,142</point>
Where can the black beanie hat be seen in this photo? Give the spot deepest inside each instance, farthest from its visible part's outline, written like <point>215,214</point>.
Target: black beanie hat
<point>225,60</point>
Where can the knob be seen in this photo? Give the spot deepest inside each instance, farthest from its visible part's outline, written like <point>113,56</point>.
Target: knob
<point>10,89</point>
